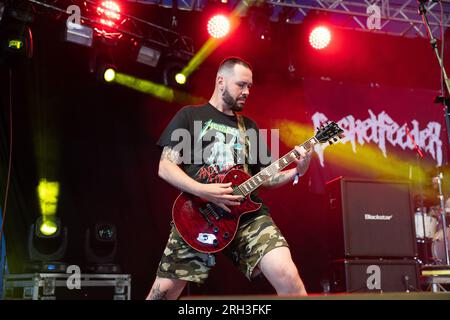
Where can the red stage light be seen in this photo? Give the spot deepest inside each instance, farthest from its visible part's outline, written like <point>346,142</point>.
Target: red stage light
<point>320,37</point>
<point>109,12</point>
<point>218,26</point>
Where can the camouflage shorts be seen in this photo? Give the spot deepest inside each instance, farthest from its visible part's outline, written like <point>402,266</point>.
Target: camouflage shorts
<point>253,240</point>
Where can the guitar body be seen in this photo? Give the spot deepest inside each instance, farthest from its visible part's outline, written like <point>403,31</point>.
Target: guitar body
<point>206,227</point>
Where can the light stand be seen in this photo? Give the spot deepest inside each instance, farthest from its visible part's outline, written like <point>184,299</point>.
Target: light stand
<point>445,101</point>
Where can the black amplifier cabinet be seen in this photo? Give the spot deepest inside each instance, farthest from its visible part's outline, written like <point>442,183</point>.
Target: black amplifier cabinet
<point>375,275</point>
<point>370,219</point>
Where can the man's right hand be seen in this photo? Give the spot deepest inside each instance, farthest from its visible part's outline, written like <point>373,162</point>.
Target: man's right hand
<point>218,193</point>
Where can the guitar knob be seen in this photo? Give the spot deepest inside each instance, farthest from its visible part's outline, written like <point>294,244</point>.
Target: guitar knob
<point>226,235</point>
<point>216,229</point>
<point>235,176</point>
<point>215,243</point>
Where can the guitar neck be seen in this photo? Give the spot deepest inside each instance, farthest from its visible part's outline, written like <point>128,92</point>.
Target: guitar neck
<point>258,179</point>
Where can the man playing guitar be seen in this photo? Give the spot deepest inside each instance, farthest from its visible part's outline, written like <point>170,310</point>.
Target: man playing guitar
<point>258,245</point>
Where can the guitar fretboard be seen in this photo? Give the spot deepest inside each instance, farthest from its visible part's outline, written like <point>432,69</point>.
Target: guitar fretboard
<point>258,179</point>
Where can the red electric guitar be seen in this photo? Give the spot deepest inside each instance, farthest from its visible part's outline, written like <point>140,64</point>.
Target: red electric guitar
<point>208,228</point>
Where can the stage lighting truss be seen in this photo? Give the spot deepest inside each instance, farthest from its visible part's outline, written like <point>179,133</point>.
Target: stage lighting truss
<point>125,27</point>
<point>398,17</point>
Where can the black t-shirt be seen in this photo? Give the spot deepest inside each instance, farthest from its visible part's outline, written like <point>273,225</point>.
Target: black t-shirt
<point>209,145</point>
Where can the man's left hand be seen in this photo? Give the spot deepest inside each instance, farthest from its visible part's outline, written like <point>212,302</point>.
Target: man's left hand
<point>303,161</point>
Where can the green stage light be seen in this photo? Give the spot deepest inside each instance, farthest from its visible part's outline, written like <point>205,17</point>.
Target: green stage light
<point>109,75</point>
<point>180,78</point>
<point>48,228</point>
<point>15,44</point>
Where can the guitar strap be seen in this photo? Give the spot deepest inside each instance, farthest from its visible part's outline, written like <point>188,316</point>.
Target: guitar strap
<point>242,139</point>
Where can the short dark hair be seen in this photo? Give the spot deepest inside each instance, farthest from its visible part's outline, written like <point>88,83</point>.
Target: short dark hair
<point>230,62</point>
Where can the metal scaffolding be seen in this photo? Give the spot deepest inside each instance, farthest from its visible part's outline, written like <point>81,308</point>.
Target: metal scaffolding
<point>398,17</point>
<point>136,28</point>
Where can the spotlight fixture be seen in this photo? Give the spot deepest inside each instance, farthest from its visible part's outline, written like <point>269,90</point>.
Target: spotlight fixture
<point>320,37</point>
<point>109,17</point>
<point>148,56</point>
<point>47,244</point>
<point>79,34</point>
<point>180,78</point>
<point>101,248</point>
<point>109,13</point>
<point>218,26</point>
<point>173,75</point>
<point>101,65</point>
<point>109,74</point>
<point>16,40</point>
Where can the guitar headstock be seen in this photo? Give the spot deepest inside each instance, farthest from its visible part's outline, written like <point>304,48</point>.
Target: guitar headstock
<point>329,131</point>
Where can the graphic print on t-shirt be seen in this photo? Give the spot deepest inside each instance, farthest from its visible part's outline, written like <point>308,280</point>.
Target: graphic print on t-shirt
<point>221,154</point>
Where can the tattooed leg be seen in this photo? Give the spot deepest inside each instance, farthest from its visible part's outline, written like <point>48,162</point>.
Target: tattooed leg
<point>157,294</point>
<point>166,289</point>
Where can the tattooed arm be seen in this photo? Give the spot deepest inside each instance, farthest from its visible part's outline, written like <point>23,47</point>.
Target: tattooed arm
<point>281,178</point>
<point>218,193</point>
<point>284,177</point>
<point>170,171</point>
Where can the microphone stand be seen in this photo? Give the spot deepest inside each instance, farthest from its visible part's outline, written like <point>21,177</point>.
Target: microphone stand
<point>445,100</point>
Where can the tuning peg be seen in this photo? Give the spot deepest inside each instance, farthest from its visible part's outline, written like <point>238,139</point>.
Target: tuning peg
<point>330,142</point>
<point>335,139</point>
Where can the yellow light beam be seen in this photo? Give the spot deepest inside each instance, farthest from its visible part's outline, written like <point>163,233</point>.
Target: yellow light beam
<point>158,90</point>
<point>368,160</point>
<point>48,192</point>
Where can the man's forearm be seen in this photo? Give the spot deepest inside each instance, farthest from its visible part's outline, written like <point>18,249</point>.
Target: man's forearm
<point>170,171</point>
<point>174,175</point>
<point>281,178</point>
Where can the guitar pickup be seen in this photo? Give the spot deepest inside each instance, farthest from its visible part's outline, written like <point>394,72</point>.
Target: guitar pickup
<point>213,212</point>
<point>205,216</point>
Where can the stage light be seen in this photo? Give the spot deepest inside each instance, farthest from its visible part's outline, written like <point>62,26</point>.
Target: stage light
<point>101,248</point>
<point>48,228</point>
<point>180,78</point>
<point>109,74</point>
<point>320,37</point>
<point>148,56</point>
<point>47,244</point>
<point>109,13</point>
<point>16,40</point>
<point>79,34</point>
<point>15,44</point>
<point>173,76</point>
<point>109,18</point>
<point>218,26</point>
